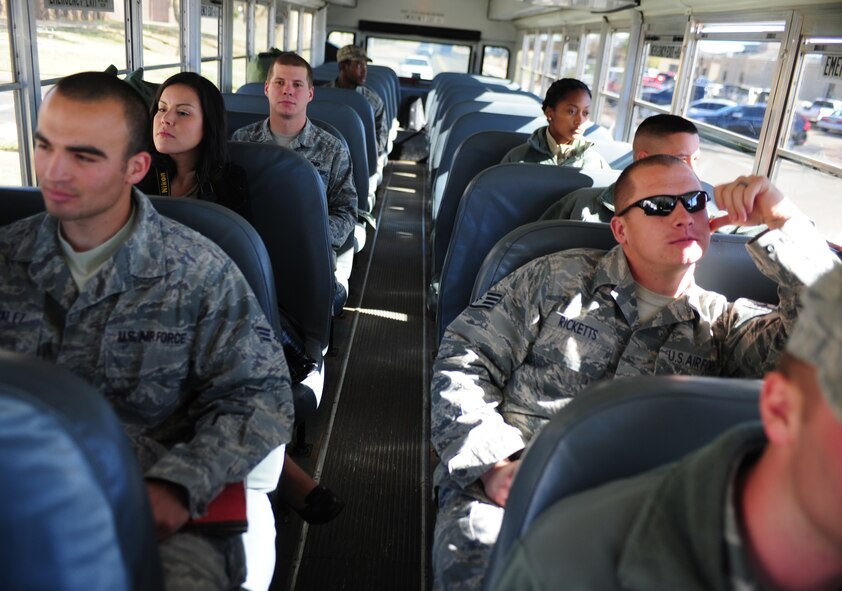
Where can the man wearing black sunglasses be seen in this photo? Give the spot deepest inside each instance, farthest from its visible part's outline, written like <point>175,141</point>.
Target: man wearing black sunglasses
<point>517,355</point>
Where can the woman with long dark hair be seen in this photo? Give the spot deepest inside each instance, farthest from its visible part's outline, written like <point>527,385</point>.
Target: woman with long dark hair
<point>189,136</point>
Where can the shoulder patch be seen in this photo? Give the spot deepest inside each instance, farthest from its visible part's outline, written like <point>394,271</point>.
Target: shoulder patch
<point>487,301</point>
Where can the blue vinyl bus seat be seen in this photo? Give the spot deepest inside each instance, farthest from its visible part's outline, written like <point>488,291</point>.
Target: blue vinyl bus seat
<point>624,427</point>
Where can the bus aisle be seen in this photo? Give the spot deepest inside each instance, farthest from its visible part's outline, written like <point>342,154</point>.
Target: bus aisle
<point>371,434</point>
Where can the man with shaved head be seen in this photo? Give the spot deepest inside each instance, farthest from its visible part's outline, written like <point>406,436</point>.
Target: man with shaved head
<point>658,134</point>
<point>529,345</point>
<point>759,508</point>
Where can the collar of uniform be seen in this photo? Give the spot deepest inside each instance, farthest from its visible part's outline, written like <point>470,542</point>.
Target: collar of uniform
<point>307,137</point>
<point>142,253</point>
<point>144,249</point>
<point>265,133</point>
<point>678,530</point>
<point>538,141</point>
<point>613,270</point>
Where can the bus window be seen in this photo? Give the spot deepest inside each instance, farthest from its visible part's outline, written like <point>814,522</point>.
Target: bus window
<point>495,61</point>
<point>261,28</point>
<point>67,38</point>
<point>815,192</point>
<point>812,155</point>
<point>293,30</point>
<point>307,36</point>
<point>591,50</point>
<point>240,60</point>
<point>552,63</point>
<point>10,173</point>
<point>161,41</point>
<point>341,38</point>
<point>659,72</point>
<point>818,108</point>
<point>280,29</point>
<point>531,68</point>
<point>211,49</point>
<point>733,72</point>
<point>570,57</point>
<point>609,96</point>
<point>416,59</point>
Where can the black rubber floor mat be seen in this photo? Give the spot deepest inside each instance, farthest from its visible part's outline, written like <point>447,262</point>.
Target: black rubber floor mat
<point>375,458</point>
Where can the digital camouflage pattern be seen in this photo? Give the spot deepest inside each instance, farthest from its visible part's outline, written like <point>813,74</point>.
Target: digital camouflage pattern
<point>817,338</point>
<point>579,154</point>
<point>381,126</point>
<point>521,352</point>
<point>194,562</point>
<point>333,164</point>
<point>170,332</point>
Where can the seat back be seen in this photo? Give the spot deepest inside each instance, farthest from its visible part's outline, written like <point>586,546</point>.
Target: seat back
<point>490,102</point>
<point>493,204</point>
<point>254,88</point>
<point>377,83</point>
<point>349,124</point>
<point>289,211</point>
<point>622,427</point>
<point>391,77</point>
<point>726,268</point>
<point>363,108</point>
<point>246,103</point>
<point>73,505</point>
<point>469,87</point>
<point>237,119</point>
<point>471,123</point>
<point>479,151</point>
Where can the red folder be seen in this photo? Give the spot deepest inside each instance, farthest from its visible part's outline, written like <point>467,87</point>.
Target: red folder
<point>226,512</point>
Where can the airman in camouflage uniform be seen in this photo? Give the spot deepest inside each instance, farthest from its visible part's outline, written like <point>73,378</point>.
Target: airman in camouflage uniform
<point>151,313</point>
<point>517,355</point>
<point>710,521</point>
<point>333,163</point>
<point>352,74</point>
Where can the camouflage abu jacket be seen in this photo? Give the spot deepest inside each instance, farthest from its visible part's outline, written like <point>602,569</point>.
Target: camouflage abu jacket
<point>517,355</point>
<point>381,125</point>
<point>170,332</point>
<point>580,154</point>
<point>333,164</point>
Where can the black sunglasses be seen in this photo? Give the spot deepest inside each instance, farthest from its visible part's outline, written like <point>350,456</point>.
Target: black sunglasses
<point>662,205</point>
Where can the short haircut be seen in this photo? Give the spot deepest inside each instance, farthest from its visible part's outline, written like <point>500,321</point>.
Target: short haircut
<point>290,58</point>
<point>625,184</point>
<point>805,376</point>
<point>213,148</point>
<point>658,126</point>
<point>91,87</point>
<point>559,90</point>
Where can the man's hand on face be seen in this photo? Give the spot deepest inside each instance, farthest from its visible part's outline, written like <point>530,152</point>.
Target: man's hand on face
<point>751,201</point>
<point>498,480</point>
<point>169,507</point>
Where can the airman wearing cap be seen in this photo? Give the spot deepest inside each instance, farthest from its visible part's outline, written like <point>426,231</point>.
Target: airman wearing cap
<point>759,508</point>
<point>351,53</point>
<point>353,70</point>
